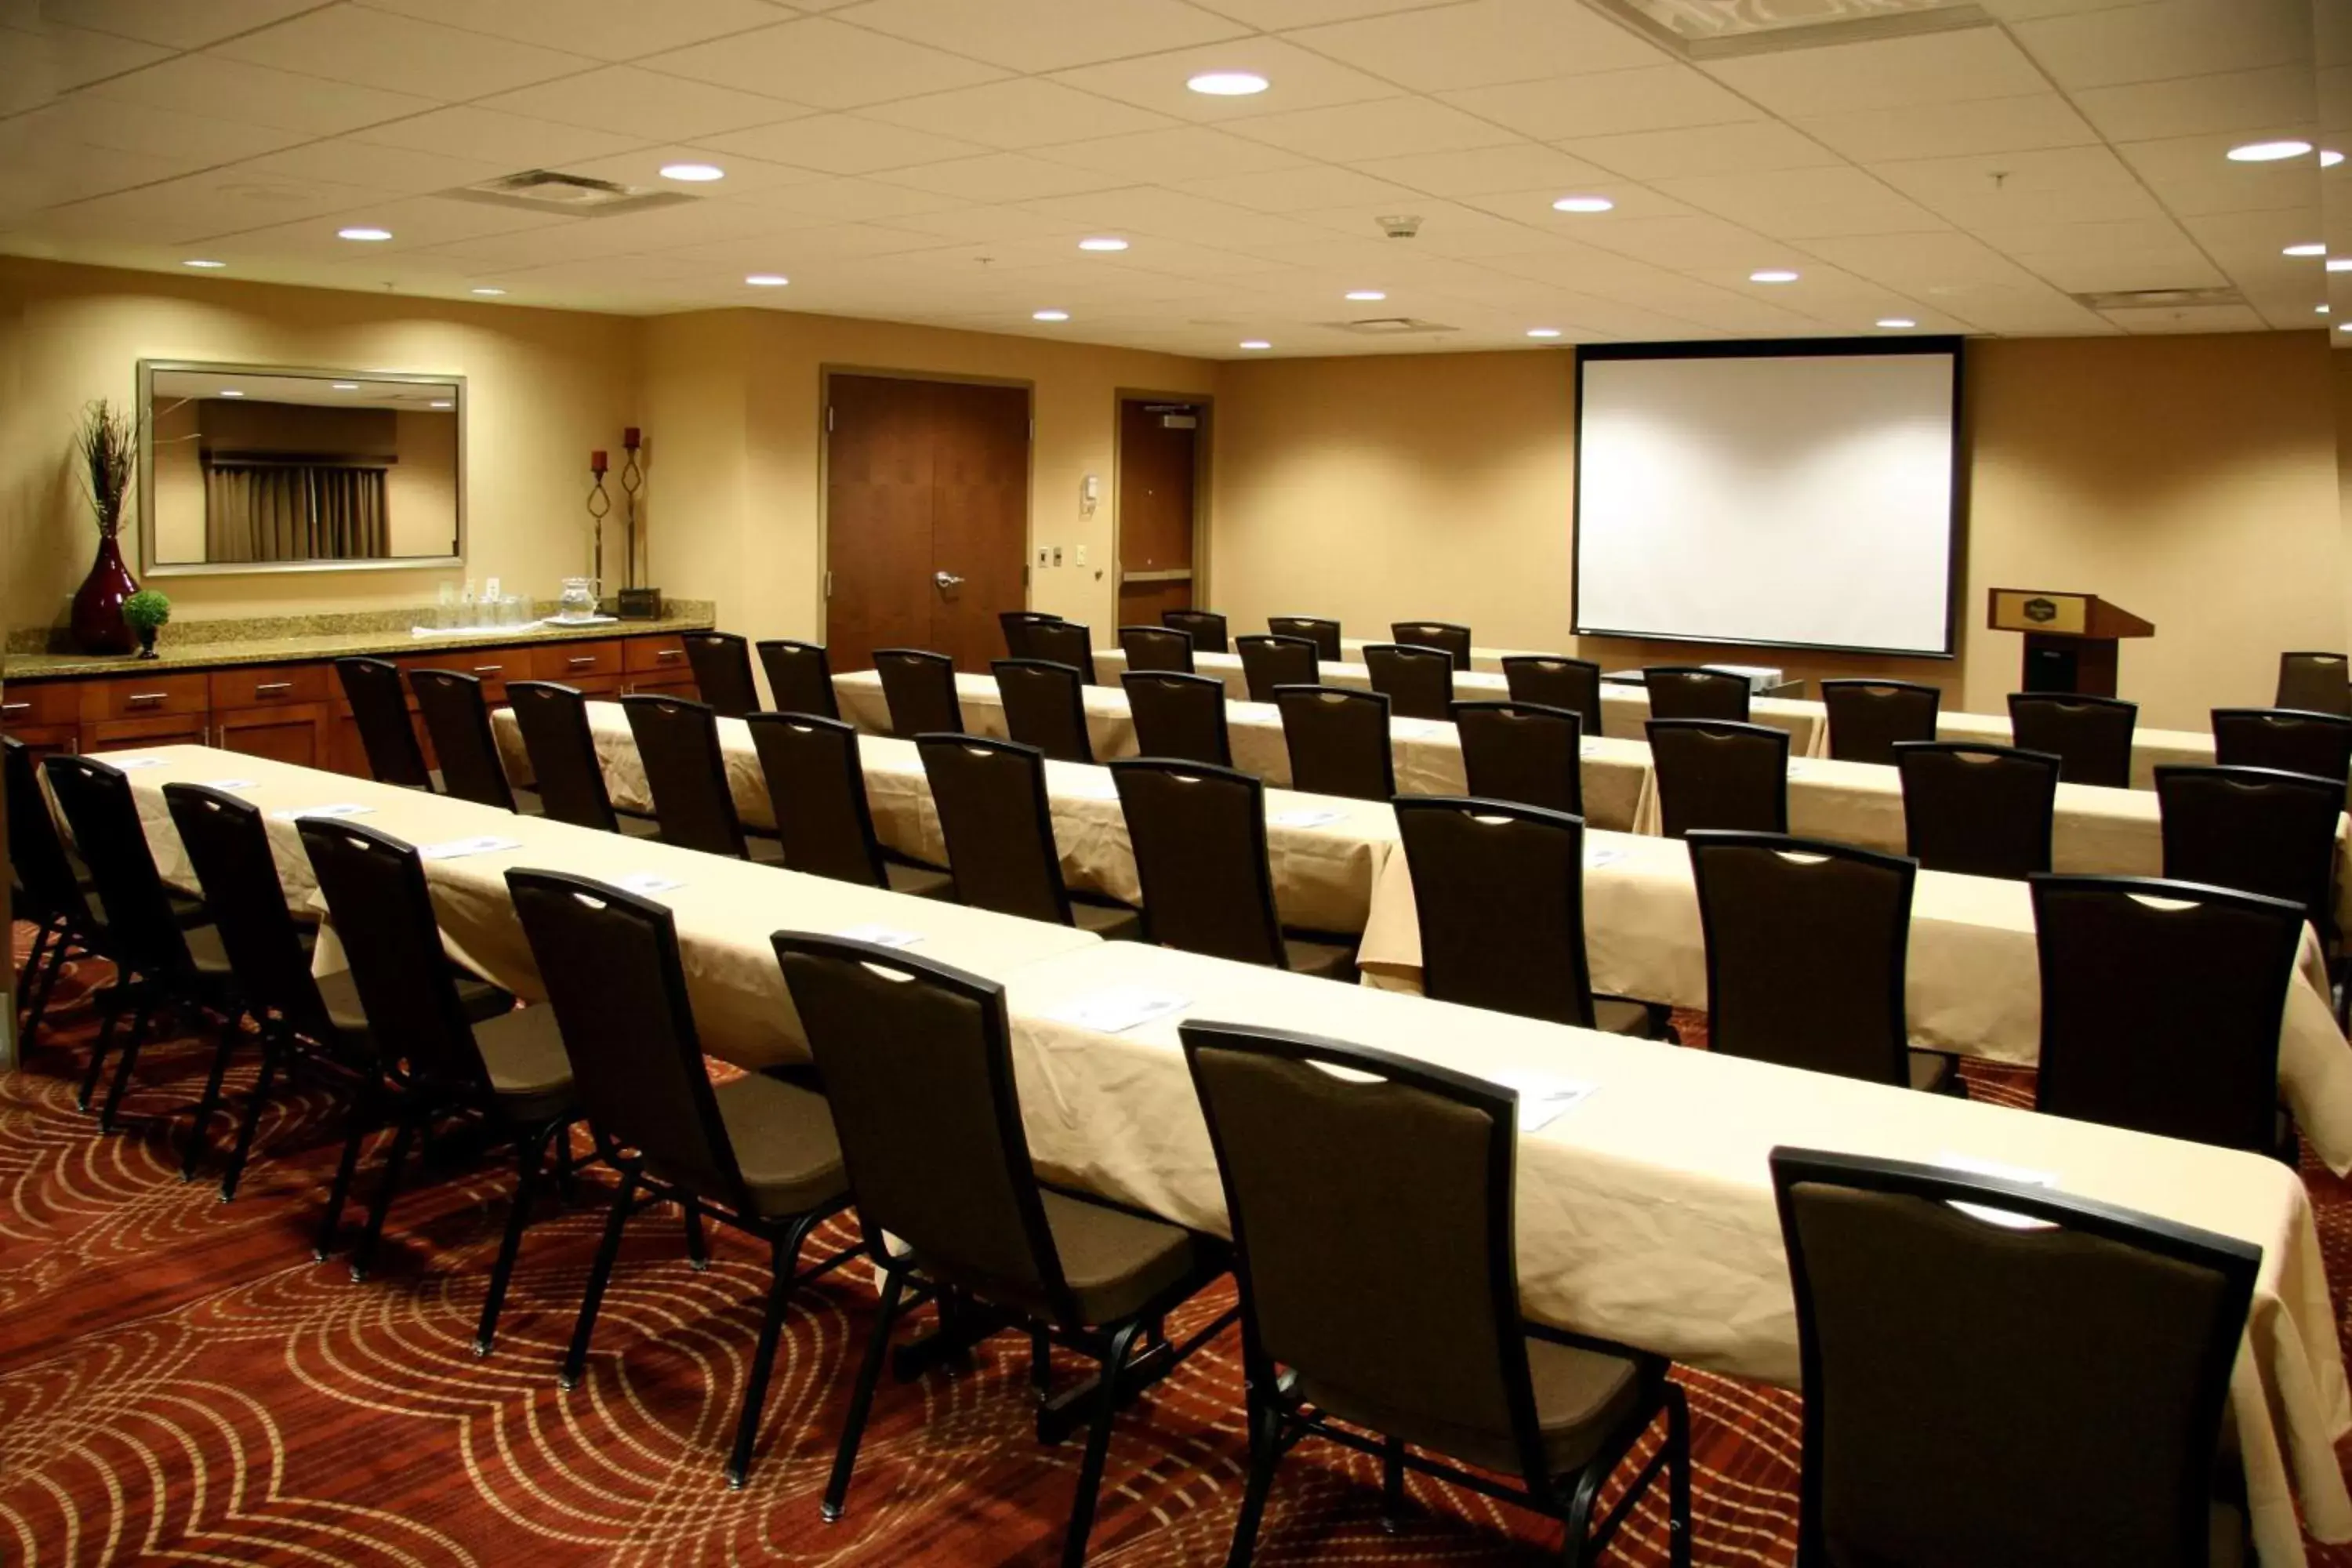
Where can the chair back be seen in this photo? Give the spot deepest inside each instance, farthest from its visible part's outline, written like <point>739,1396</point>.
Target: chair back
<point>382,912</point>
<point>920,690</point>
<point>1044,707</point>
<point>800,677</point>
<point>722,672</point>
<point>1976,1392</point>
<point>1058,641</point>
<point>1713,775</point>
<point>816,790</point>
<point>102,814</point>
<point>1015,625</point>
<point>1554,680</point>
<point>36,853</point>
<point>1448,636</point>
<point>1982,811</point>
<point>2318,743</point>
<point>2092,736</point>
<point>2161,1005</point>
<point>1868,717</point>
<point>1198,837</point>
<point>686,769</point>
<point>1342,1263</point>
<point>562,746</point>
<point>1807,945</point>
<point>1523,752</point>
<point>1338,741</point>
<point>228,842</point>
<point>1180,716</point>
<point>1688,691</point>
<point>1271,662</point>
<point>2259,830</point>
<point>1156,647</point>
<point>459,722</point>
<point>1500,890</point>
<point>1205,628</point>
<point>2314,683</point>
<point>999,827</point>
<point>917,1067</point>
<point>1417,682</point>
<point>1324,634</point>
<point>380,708</point>
<point>608,962</point>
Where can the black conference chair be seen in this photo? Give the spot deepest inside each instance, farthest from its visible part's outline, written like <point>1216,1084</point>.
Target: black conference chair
<point>917,1059</point>
<point>1500,890</point>
<point>2314,683</point>
<point>566,773</point>
<point>1156,647</point>
<point>722,672</point>
<point>1524,752</point>
<point>1446,636</point>
<point>1552,680</point>
<point>1338,739</point>
<point>45,890</point>
<point>459,720</point>
<point>2161,1003</point>
<point>920,690</point>
<point>380,708</point>
<point>1199,838</point>
<point>1205,628</point>
<point>1323,633</point>
<point>1015,625</point>
<point>2092,736</point>
<point>757,1153</point>
<point>2317,743</point>
<point>800,677</point>
<point>1867,718</point>
<point>1380,1292</point>
<point>1807,947</point>
<point>1271,662</point>
<point>685,770</point>
<point>1417,682</point>
<point>2073,1364</point>
<point>1044,707</point>
<point>1065,642</point>
<point>1688,691</point>
<point>1982,811</point>
<point>1178,716</point>
<point>999,827</point>
<point>816,789</point>
<point>1726,775</point>
<point>2259,830</point>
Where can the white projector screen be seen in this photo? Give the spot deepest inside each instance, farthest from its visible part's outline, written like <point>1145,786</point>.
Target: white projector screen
<point>1782,494</point>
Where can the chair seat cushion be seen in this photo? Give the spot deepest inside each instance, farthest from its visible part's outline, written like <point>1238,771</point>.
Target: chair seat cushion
<point>637,827</point>
<point>1324,960</point>
<point>918,882</point>
<point>1114,1261</point>
<point>1112,922</point>
<point>523,1052</point>
<point>1934,1072</point>
<point>479,998</point>
<point>784,1144</point>
<point>1581,1396</point>
<point>1622,1015</point>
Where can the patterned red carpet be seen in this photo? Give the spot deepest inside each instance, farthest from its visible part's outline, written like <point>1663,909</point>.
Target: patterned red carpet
<point>180,1382</point>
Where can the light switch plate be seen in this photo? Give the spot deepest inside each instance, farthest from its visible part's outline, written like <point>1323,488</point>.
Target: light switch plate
<point>1082,555</point>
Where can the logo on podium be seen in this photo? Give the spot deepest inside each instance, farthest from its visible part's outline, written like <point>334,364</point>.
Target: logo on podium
<point>2039,610</point>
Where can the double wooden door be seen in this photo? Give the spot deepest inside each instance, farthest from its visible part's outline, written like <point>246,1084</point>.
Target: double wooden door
<point>927,515</point>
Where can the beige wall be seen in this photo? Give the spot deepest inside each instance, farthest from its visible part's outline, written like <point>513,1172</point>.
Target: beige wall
<point>2190,480</point>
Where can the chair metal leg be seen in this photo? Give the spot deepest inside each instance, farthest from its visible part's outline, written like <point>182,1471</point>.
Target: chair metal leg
<point>1041,1361</point>
<point>364,1255</point>
<point>698,1245</point>
<point>1678,1479</point>
<point>1264,1455</point>
<point>1392,1484</point>
<point>33,959</point>
<point>123,1064</point>
<point>1579,1518</point>
<point>109,1010</point>
<point>44,986</point>
<point>1090,1469</point>
<point>783,1253</point>
<point>533,1156</point>
<point>861,1398</point>
<point>251,1124</point>
<point>361,1122</point>
<point>232,1030</point>
<point>575,1360</point>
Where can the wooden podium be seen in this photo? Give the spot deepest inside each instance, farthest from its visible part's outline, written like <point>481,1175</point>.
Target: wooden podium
<point>2070,638</point>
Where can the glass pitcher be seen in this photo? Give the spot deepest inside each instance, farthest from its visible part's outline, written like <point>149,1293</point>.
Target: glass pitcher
<point>579,599</point>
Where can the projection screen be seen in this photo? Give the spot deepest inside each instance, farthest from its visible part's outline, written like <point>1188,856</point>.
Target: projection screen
<point>1793,494</point>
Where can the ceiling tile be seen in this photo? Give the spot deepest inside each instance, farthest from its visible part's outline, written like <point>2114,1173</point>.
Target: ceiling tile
<point>1663,98</point>
<point>1387,129</point>
<point>843,144</point>
<point>2168,39</point>
<point>348,160</point>
<point>1187,152</point>
<point>1277,15</point>
<point>176,23</point>
<point>43,171</point>
<point>1954,130</point>
<point>1483,171</point>
<point>2192,175</point>
<point>1535,206</point>
<point>1799,204</point>
<point>1045,35</point>
<point>1696,243</point>
<point>398,54</point>
<point>1307,188</point>
<point>2188,319</point>
<point>2083,185</point>
<point>1483,42</point>
<point>1167,216</point>
<point>815,59</point>
<point>606,29</point>
<point>1884,73</point>
<point>2278,96</point>
<point>49,60</point>
<point>849,201</point>
<point>1000,177</point>
<point>1298,79</point>
<point>205,205</point>
<point>746,179</point>
<point>1703,150</point>
<point>84,121</point>
<point>230,90</point>
<point>1025,112</point>
<point>522,143</point>
<point>643,103</point>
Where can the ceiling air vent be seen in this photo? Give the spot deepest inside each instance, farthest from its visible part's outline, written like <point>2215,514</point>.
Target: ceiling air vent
<point>1724,29</point>
<point>1390,326</point>
<point>573,195</point>
<point>2159,299</point>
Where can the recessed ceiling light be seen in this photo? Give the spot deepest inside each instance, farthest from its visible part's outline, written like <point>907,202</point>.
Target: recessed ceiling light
<point>1365,295</point>
<point>346,385</point>
<point>492,292</point>
<point>1049,315</point>
<point>1102,242</point>
<point>440,403</point>
<point>1897,323</point>
<point>2329,157</point>
<point>2310,248</point>
<point>230,392</point>
<point>1543,332</point>
<point>2345,327</point>
<point>693,173</point>
<point>1256,343</point>
<point>363,234</point>
<point>1582,205</point>
<point>200,261</point>
<point>1772,275</point>
<point>2339,264</point>
<point>767,280</point>
<point>1227,84</point>
<point>2319,309</point>
<point>2268,152</point>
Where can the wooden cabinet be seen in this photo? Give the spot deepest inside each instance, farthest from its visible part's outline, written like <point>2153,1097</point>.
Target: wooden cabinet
<point>657,665</point>
<point>575,662</point>
<point>160,729</point>
<point>139,696</point>
<point>298,732</point>
<point>46,718</point>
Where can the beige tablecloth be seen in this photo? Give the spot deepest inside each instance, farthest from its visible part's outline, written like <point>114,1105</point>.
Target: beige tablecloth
<point>1645,1214</point>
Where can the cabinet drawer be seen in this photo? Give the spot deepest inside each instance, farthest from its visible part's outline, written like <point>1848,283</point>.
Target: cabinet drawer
<point>570,661</point>
<point>646,655</point>
<point>42,702</point>
<point>493,666</point>
<point>272,685</point>
<point>138,696</point>
<point>162,730</point>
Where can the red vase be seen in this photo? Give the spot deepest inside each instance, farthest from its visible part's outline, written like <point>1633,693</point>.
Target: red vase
<point>98,622</point>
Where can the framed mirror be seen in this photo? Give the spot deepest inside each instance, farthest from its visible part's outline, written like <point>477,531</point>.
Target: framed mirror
<point>263,469</point>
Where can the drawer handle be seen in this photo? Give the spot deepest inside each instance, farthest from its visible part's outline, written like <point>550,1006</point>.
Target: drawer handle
<point>273,685</point>
<point>671,653</point>
<point>581,660</point>
<point>147,697</point>
<point>487,668</point>
<point>14,707</point>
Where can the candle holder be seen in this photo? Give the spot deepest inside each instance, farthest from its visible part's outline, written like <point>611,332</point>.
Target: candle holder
<point>637,603</point>
<point>599,506</point>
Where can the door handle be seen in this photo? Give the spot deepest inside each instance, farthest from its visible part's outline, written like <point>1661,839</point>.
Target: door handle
<point>947,580</point>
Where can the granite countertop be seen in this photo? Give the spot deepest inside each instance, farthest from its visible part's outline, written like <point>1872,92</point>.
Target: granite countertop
<point>192,656</point>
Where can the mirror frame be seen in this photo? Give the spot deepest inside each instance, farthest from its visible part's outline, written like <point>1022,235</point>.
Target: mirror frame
<point>151,567</point>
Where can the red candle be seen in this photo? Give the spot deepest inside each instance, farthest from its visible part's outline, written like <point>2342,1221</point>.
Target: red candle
<point>596,462</point>
<point>629,438</point>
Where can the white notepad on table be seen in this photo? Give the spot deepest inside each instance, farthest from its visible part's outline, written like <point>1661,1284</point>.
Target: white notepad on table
<point>1118,1009</point>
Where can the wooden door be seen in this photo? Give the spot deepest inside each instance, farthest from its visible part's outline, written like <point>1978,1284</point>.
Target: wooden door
<point>926,488</point>
<point>1159,455</point>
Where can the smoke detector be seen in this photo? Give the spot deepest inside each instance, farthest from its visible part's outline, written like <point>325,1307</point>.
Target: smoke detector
<point>1390,326</point>
<point>1403,226</point>
<point>573,196</point>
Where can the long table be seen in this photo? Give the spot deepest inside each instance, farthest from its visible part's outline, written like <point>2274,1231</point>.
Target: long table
<point>1645,1213</point>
